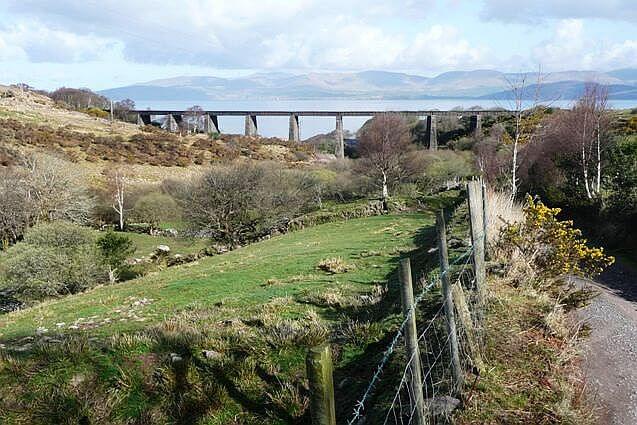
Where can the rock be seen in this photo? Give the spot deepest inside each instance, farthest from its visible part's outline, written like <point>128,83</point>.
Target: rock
<point>211,354</point>
<point>164,249</point>
<point>442,406</point>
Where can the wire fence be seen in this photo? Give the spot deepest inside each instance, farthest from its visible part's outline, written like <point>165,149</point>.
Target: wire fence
<point>448,343</point>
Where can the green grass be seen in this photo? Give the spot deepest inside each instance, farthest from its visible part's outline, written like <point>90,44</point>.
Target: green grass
<point>260,307</point>
<point>238,279</point>
<point>146,244</point>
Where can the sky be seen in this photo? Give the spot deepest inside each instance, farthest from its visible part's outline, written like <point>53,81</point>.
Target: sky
<point>109,43</point>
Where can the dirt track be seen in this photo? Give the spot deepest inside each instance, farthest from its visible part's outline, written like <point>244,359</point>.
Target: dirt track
<point>610,354</point>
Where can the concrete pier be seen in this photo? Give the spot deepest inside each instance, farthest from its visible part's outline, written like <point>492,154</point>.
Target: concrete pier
<point>476,124</point>
<point>211,124</point>
<point>340,142</point>
<point>172,123</point>
<point>294,129</point>
<point>143,119</point>
<point>432,132</point>
<point>251,125</point>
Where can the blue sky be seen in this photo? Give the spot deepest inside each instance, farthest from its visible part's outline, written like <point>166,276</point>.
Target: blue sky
<point>108,43</point>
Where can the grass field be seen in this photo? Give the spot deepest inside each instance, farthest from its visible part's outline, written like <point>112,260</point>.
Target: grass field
<point>259,308</point>
<point>145,245</point>
<point>239,278</point>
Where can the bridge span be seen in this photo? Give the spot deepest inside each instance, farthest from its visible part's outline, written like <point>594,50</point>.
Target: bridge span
<point>211,120</point>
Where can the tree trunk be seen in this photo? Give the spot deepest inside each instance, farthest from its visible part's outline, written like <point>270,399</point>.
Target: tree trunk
<point>385,191</point>
<point>599,161</point>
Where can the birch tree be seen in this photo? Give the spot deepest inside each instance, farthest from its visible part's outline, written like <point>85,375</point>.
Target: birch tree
<point>524,126</point>
<point>117,186</point>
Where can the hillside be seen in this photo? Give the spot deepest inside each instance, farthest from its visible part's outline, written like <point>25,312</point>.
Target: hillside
<point>265,289</point>
<point>33,122</point>
<point>362,85</point>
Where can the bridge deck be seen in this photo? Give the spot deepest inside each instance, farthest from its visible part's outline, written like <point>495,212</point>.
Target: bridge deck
<point>323,113</point>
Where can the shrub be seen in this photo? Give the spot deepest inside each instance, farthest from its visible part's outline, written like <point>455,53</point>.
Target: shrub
<point>97,112</point>
<point>115,249</point>
<point>443,169</point>
<point>155,208</point>
<point>62,236</point>
<point>54,259</point>
<point>243,202</point>
<point>552,246</point>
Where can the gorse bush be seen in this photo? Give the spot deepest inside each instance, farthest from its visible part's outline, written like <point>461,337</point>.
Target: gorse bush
<point>553,247</point>
<point>54,259</point>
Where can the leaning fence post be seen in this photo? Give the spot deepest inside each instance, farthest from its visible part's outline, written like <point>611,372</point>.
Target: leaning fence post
<point>477,236</point>
<point>319,374</point>
<point>411,340</point>
<point>443,256</point>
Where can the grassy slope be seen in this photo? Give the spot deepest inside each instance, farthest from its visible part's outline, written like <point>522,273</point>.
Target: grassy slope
<point>239,278</point>
<point>146,244</point>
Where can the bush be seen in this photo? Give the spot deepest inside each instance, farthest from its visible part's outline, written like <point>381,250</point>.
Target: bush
<point>115,249</point>
<point>244,202</point>
<point>155,208</point>
<point>443,169</point>
<point>97,112</point>
<point>65,237</point>
<point>55,259</point>
<point>553,247</point>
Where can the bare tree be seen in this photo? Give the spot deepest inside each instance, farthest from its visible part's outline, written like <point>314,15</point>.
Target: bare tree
<point>117,187</point>
<point>383,144</point>
<point>17,211</point>
<point>57,189</point>
<point>523,132</point>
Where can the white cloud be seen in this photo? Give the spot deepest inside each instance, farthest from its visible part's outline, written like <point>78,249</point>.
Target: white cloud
<point>38,43</point>
<point>442,47</point>
<point>532,11</point>
<point>247,33</point>
<point>569,48</point>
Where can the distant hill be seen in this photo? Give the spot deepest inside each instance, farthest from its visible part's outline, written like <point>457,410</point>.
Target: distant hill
<point>564,90</point>
<point>479,84</point>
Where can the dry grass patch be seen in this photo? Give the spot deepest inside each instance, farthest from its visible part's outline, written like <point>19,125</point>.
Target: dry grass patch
<point>335,265</point>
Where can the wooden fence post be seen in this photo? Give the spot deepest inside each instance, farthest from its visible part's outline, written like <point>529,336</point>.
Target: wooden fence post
<point>443,255</point>
<point>477,238</point>
<point>411,340</point>
<point>485,217</point>
<point>464,315</point>
<point>319,374</point>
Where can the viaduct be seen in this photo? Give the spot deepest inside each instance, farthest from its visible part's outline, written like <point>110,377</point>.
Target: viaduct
<point>211,120</point>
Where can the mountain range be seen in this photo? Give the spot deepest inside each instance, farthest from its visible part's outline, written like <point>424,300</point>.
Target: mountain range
<point>479,84</point>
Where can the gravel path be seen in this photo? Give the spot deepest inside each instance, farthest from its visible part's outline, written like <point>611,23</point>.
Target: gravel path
<point>610,353</point>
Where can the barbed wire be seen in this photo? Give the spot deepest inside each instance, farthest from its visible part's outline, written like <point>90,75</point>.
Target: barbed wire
<point>360,404</point>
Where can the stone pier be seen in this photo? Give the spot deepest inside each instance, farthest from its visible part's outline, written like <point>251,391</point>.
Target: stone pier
<point>294,129</point>
<point>143,119</point>
<point>210,124</point>
<point>251,125</point>
<point>172,123</point>
<point>339,150</point>
<point>476,125</point>
<point>432,132</point>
